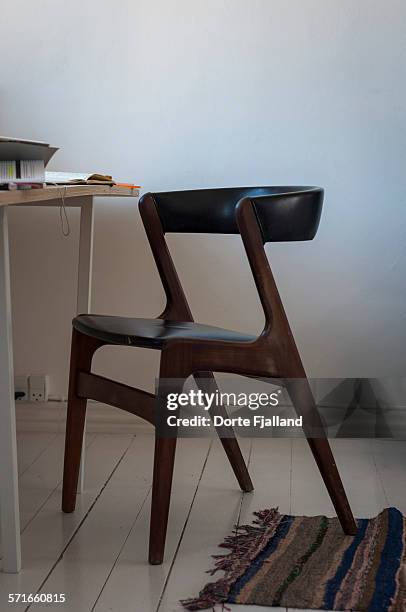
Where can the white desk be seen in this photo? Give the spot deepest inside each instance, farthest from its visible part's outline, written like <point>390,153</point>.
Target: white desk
<point>81,196</point>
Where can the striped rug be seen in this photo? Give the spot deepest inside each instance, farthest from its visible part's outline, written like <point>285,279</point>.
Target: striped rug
<point>307,562</point>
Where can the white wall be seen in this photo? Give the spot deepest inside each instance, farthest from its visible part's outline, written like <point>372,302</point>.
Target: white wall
<point>178,94</point>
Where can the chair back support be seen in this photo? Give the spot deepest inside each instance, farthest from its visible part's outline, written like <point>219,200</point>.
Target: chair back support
<point>283,213</point>
<point>259,214</point>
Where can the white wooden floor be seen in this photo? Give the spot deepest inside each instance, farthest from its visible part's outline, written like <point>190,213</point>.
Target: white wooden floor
<point>97,555</point>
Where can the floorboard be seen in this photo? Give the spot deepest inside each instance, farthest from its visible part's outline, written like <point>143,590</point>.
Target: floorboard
<point>214,514</point>
<point>132,579</point>
<point>30,446</point>
<point>41,478</point>
<point>84,568</point>
<point>50,531</point>
<point>97,555</point>
<point>390,461</point>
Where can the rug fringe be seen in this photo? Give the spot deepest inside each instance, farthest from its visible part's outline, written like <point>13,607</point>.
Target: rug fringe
<point>245,544</point>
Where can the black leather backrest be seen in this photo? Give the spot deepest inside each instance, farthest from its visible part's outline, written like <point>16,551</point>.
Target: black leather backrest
<point>284,213</point>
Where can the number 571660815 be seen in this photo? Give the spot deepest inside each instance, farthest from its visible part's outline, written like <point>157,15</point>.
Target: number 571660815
<point>36,598</point>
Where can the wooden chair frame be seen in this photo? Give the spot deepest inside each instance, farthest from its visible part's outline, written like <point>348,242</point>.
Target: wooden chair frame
<point>273,354</point>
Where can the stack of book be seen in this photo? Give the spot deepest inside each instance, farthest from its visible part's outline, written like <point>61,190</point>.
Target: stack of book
<point>23,162</point>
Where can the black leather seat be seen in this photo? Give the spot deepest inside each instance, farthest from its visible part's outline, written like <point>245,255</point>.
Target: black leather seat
<point>150,333</point>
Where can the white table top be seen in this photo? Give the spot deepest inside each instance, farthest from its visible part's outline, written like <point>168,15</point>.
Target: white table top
<point>32,196</point>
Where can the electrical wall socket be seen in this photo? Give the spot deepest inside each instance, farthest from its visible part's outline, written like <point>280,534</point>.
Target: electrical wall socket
<point>39,386</point>
<point>21,388</point>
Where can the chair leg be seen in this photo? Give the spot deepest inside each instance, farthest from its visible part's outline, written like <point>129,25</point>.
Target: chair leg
<point>172,367</point>
<point>164,460</point>
<point>233,452</point>
<point>230,443</point>
<point>303,401</point>
<point>83,348</point>
<point>324,458</point>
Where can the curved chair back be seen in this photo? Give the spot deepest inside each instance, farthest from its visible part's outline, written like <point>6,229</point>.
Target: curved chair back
<point>283,213</point>
<point>258,214</point>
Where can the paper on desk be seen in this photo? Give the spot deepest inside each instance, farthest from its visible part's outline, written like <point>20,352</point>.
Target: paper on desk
<point>63,178</point>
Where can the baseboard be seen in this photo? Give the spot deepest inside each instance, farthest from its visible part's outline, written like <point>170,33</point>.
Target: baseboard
<point>101,418</point>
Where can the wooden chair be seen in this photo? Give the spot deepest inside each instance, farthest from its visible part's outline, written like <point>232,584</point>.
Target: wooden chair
<point>260,215</point>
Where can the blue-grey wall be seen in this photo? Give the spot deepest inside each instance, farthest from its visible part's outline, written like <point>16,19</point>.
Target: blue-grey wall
<point>212,93</point>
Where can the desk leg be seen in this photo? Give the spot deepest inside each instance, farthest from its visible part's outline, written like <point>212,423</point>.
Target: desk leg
<point>9,506</point>
<point>85,284</point>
